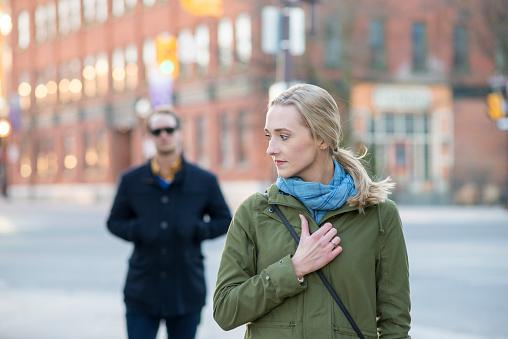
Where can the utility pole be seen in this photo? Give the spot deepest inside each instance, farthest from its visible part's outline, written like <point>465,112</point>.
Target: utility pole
<point>284,66</point>
<point>284,76</point>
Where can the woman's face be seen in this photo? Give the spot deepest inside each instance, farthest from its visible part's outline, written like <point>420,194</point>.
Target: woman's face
<point>290,144</point>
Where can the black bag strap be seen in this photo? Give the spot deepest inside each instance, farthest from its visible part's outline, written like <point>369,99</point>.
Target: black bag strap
<point>325,281</point>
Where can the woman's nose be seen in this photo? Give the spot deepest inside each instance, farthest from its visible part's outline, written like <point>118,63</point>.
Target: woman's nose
<point>271,149</point>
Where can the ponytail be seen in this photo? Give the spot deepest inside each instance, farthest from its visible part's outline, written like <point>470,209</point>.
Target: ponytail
<point>369,192</point>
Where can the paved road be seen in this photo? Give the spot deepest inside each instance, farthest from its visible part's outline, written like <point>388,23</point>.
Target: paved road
<point>61,273</point>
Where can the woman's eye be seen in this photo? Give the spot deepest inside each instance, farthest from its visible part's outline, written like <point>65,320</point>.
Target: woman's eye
<point>284,137</point>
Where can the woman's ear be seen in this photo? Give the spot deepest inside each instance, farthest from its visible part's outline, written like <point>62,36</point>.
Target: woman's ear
<point>322,144</point>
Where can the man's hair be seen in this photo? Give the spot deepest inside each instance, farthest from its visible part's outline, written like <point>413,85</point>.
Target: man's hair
<point>163,110</point>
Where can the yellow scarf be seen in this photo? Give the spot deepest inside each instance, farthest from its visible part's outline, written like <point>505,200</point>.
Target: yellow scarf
<point>170,173</point>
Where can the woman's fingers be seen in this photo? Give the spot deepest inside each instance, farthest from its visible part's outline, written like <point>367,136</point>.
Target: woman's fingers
<point>305,227</point>
<point>336,251</point>
<point>322,231</point>
<point>328,236</point>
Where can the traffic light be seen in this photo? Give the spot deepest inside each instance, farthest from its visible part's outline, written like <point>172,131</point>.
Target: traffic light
<point>203,7</point>
<point>495,103</point>
<point>166,55</point>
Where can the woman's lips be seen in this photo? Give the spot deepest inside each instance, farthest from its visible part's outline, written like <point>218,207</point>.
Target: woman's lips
<point>279,162</point>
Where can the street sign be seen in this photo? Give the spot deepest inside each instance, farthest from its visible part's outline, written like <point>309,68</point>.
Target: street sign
<point>271,31</point>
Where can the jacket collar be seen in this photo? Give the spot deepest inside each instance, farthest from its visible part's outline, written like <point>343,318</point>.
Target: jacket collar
<point>149,176</point>
<point>277,197</point>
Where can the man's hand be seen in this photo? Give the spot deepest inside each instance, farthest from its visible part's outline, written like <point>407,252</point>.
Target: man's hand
<point>315,250</point>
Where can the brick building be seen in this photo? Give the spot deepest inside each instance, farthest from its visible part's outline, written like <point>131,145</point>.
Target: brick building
<point>412,76</point>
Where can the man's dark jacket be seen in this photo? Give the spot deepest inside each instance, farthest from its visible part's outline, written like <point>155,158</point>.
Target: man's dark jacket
<point>167,226</point>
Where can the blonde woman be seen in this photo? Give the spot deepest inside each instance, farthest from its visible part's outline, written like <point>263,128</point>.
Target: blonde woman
<point>349,233</point>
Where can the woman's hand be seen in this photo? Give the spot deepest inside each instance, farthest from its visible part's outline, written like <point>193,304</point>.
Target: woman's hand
<point>315,250</point>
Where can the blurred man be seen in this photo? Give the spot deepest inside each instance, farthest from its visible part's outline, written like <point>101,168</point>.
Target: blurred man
<point>166,208</point>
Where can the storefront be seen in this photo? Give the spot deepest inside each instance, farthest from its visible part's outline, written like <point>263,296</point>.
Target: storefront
<point>409,130</point>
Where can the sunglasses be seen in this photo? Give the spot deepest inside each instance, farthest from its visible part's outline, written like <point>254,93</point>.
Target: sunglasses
<point>169,130</point>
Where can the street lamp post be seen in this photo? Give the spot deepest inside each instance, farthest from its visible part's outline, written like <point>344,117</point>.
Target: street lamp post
<point>5,129</point>
<point>285,70</point>
<point>5,126</point>
<point>284,67</point>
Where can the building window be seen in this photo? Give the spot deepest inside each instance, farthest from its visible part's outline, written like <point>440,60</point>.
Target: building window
<point>121,6</point>
<point>389,123</point>
<point>95,150</point>
<point>333,45</point>
<point>129,4</point>
<point>41,92</point>
<point>90,156</point>
<point>75,85</point>
<point>101,142</point>
<point>118,7</point>
<point>243,38</point>
<point>47,164</point>
<point>23,29</point>
<point>45,22</point>
<point>149,3</point>
<point>95,10</point>
<point>63,17</point>
<point>131,67</point>
<point>426,124</point>
<point>25,161</point>
<point>148,58</point>
<point>89,10</point>
<point>377,44</point>
<point>372,126</point>
<point>52,87</point>
<point>186,51</point>
<point>410,124</point>
<point>225,42</point>
<point>102,73</point>
<point>24,92</point>
<point>400,154</point>
<point>202,40</point>
<point>460,49</point>
<point>70,86</point>
<point>242,130</point>
<point>70,159</point>
<point>63,85</point>
<point>69,15</point>
<point>46,88</point>
<point>41,30</point>
<point>419,46</point>
<point>51,20</point>
<point>75,14</point>
<point>89,77</point>
<point>225,141</point>
<point>118,74</point>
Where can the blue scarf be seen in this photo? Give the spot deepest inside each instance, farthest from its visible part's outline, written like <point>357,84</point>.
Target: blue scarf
<point>319,198</point>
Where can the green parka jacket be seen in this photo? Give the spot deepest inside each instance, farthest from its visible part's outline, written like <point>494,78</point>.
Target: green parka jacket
<point>257,285</point>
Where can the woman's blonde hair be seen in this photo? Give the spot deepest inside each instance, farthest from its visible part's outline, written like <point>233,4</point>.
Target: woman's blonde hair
<point>321,114</point>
